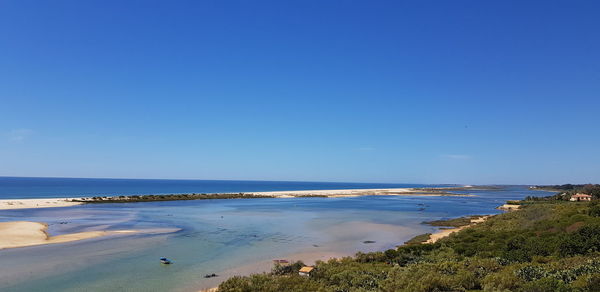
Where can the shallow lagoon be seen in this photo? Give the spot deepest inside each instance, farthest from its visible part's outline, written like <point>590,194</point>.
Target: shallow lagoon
<point>219,236</point>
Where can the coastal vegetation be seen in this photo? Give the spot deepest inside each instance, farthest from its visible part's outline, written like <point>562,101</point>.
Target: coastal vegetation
<point>455,222</point>
<point>544,246</point>
<point>419,239</point>
<point>171,197</point>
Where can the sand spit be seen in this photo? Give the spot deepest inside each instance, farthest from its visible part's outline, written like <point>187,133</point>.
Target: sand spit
<point>359,192</point>
<point>25,233</point>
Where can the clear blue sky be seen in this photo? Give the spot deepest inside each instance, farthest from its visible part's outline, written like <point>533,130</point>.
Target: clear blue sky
<point>366,91</point>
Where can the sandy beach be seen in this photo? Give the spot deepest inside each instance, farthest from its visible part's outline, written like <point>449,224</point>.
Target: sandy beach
<point>36,203</point>
<point>26,233</point>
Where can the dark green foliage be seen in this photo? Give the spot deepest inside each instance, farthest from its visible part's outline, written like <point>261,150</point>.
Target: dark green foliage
<point>172,197</point>
<point>349,275</point>
<point>594,209</point>
<point>583,241</point>
<point>269,283</point>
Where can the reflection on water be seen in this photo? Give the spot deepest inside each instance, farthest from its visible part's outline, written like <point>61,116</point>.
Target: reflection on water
<point>217,235</point>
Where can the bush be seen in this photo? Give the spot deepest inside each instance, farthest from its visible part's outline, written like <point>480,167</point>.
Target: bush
<point>502,281</point>
<point>585,240</point>
<point>594,209</point>
<point>286,269</point>
<point>546,285</point>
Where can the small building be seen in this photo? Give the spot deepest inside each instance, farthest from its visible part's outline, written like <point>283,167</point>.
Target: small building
<point>305,271</point>
<point>580,197</point>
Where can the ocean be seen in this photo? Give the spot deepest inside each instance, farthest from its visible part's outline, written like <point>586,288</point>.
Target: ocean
<point>36,187</point>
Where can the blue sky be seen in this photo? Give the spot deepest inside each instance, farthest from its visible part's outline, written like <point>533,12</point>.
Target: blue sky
<point>364,91</point>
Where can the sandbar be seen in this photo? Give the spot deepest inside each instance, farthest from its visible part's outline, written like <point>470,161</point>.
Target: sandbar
<point>26,233</point>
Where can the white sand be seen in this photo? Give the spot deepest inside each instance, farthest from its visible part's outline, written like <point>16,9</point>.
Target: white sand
<point>25,233</point>
<point>35,203</point>
<point>356,193</point>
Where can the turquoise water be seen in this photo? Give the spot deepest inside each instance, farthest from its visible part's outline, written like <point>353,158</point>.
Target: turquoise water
<point>218,235</point>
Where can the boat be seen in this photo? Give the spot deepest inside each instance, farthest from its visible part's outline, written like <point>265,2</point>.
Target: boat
<point>165,261</point>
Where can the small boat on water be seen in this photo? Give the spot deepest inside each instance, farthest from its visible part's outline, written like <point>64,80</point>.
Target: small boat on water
<point>165,261</point>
